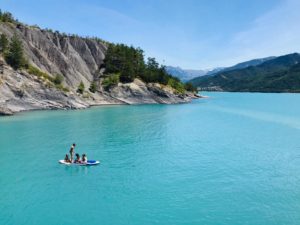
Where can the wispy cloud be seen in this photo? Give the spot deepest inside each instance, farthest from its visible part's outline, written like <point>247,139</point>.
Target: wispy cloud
<point>275,33</point>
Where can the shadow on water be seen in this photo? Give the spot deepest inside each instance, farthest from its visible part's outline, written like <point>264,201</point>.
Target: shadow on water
<point>77,170</point>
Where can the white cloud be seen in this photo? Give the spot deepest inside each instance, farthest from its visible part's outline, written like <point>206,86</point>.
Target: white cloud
<point>275,33</point>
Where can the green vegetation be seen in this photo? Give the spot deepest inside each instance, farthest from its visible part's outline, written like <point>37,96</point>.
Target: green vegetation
<point>15,56</point>
<point>281,74</point>
<point>177,85</point>
<point>190,87</point>
<point>129,63</point>
<point>122,63</point>
<point>58,79</point>
<point>6,17</point>
<point>110,81</point>
<point>34,26</point>
<point>52,82</point>
<point>37,72</point>
<point>3,43</point>
<point>154,73</point>
<point>62,88</point>
<point>80,88</point>
<point>93,87</point>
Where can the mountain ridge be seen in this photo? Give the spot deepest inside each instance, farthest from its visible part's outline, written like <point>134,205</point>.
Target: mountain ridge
<point>187,75</point>
<point>241,65</point>
<point>280,74</point>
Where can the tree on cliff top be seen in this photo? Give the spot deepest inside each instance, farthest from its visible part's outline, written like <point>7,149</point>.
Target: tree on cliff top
<point>129,63</point>
<point>6,17</point>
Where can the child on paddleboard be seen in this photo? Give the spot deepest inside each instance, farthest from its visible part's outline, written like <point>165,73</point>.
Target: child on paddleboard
<point>77,160</point>
<point>84,158</point>
<point>67,159</point>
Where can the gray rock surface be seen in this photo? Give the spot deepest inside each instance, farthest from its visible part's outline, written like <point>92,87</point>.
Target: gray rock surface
<point>77,59</point>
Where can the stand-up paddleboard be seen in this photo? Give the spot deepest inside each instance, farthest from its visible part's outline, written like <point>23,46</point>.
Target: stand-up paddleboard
<point>89,163</point>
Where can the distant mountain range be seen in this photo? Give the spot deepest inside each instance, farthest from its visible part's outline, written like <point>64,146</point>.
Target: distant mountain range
<point>188,74</point>
<point>185,75</point>
<point>272,74</point>
<point>242,65</point>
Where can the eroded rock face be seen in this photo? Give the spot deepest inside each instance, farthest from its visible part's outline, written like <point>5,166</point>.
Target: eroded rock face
<point>20,91</point>
<point>78,60</point>
<point>138,92</point>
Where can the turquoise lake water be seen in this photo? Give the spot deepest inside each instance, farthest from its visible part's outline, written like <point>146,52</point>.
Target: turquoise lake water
<point>230,159</point>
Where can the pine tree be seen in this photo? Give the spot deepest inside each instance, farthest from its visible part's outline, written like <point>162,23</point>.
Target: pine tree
<point>127,73</point>
<point>14,56</point>
<point>7,17</point>
<point>190,87</point>
<point>129,63</point>
<point>3,43</point>
<point>93,87</point>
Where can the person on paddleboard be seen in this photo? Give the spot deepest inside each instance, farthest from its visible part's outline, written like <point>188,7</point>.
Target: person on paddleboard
<point>67,159</point>
<point>77,160</point>
<point>84,158</point>
<point>72,151</point>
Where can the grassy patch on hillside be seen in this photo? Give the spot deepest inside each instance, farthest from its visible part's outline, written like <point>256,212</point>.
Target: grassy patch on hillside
<point>111,80</point>
<point>52,81</point>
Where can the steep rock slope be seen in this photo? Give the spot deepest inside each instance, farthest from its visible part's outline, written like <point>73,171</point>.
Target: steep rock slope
<point>77,59</point>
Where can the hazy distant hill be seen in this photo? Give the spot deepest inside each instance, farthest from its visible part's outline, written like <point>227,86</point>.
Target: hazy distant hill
<point>253,62</point>
<point>214,71</point>
<point>186,74</point>
<point>183,74</point>
<point>281,74</point>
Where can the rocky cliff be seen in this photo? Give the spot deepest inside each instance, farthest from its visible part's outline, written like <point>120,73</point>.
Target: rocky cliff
<point>77,59</point>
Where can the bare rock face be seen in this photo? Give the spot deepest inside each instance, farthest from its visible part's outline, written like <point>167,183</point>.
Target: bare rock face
<point>77,60</point>
<point>21,91</point>
<point>138,92</point>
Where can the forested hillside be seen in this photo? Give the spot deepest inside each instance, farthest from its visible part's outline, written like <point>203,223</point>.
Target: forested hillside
<point>281,74</point>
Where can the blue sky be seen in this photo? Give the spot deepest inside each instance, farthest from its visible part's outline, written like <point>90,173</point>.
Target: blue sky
<point>193,34</point>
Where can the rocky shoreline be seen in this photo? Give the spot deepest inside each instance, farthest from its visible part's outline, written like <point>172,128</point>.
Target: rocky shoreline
<point>8,112</point>
<point>21,91</point>
<point>78,61</point>
<point>5,111</point>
